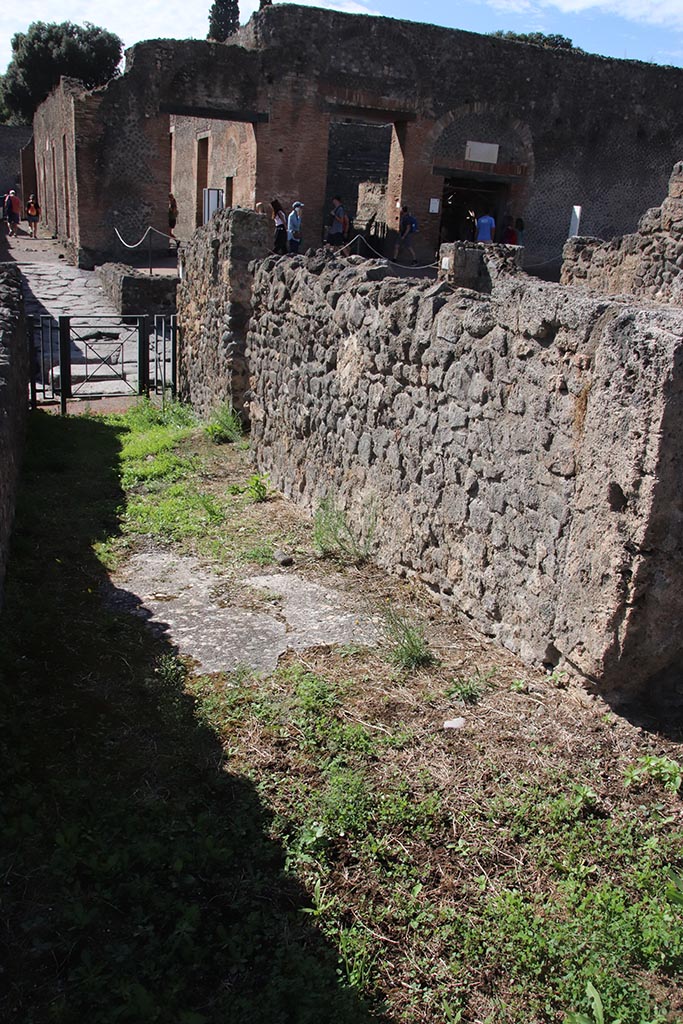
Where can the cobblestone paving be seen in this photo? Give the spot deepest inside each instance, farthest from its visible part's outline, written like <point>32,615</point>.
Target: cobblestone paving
<point>103,350</point>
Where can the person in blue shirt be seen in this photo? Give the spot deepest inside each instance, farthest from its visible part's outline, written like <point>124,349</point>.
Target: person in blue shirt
<point>486,228</point>
<point>294,227</point>
<point>407,227</point>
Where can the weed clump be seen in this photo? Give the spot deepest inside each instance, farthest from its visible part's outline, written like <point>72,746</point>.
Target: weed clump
<point>405,640</point>
<point>333,536</point>
<point>225,426</point>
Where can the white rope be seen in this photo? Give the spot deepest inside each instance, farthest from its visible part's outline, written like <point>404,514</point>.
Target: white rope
<point>150,228</point>
<point>423,266</point>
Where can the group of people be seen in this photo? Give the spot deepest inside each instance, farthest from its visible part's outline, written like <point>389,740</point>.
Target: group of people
<point>287,237</point>
<point>512,231</point>
<point>12,210</point>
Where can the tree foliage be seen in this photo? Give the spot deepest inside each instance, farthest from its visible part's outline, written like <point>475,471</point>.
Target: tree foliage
<point>548,42</point>
<point>224,19</point>
<point>45,52</point>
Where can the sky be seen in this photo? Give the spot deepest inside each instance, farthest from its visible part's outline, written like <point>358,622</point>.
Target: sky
<point>649,30</point>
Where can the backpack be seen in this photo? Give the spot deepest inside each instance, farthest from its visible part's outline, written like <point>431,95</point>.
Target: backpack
<point>31,209</point>
<point>413,225</point>
<point>346,225</point>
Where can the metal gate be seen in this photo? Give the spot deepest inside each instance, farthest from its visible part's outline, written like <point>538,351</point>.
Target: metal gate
<point>78,357</point>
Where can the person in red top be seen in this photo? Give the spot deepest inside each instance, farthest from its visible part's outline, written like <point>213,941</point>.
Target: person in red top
<point>13,211</point>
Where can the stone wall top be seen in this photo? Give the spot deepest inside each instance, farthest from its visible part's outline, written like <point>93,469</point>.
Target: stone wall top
<point>647,263</point>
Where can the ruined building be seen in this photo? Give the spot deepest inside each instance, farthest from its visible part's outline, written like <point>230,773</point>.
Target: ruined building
<point>304,103</point>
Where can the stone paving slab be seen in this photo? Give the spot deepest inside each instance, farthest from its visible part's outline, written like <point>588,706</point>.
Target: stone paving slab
<point>222,624</point>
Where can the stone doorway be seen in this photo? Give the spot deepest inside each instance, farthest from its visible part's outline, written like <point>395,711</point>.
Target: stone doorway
<point>466,199</point>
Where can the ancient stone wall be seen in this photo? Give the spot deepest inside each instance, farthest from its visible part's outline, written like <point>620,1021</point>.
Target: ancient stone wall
<point>214,307</point>
<point>134,292</point>
<point>14,374</point>
<point>12,140</point>
<point>648,263</point>
<point>62,205</point>
<point>519,451</point>
<point>435,89</point>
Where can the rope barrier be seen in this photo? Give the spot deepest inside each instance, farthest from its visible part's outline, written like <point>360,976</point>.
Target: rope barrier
<point>137,244</point>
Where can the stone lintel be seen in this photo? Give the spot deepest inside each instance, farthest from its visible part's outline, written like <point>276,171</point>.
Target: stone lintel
<point>382,115</point>
<point>215,113</point>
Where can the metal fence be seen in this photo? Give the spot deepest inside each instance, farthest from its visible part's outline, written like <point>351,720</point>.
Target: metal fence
<point>75,357</point>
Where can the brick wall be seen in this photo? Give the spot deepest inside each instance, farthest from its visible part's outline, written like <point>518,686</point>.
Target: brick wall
<point>438,86</point>
<point>14,375</point>
<point>12,139</point>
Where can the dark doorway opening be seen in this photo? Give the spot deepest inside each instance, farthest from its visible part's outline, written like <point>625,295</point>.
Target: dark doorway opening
<point>466,199</point>
<point>202,178</point>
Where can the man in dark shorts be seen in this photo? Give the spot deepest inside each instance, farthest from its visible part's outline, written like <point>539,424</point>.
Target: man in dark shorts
<point>12,211</point>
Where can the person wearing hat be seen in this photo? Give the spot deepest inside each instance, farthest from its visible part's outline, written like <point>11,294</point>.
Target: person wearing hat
<point>294,228</point>
<point>13,211</point>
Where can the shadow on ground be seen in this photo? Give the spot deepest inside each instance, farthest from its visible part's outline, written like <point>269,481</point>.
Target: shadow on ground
<point>140,882</point>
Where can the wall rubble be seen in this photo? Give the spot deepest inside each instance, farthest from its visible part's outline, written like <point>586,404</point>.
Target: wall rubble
<point>14,374</point>
<point>133,292</point>
<point>519,449</point>
<point>648,263</point>
<point>214,307</point>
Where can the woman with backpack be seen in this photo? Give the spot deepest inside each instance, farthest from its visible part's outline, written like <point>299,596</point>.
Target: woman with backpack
<point>33,215</point>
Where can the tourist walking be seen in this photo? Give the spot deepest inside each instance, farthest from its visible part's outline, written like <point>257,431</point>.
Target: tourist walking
<point>12,212</point>
<point>486,228</point>
<point>509,232</point>
<point>172,214</point>
<point>407,227</point>
<point>294,228</point>
<point>280,236</point>
<point>335,231</point>
<point>32,212</point>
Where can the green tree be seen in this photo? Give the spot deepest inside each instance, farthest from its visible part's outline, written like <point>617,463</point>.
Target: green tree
<point>548,42</point>
<point>45,52</point>
<point>224,19</point>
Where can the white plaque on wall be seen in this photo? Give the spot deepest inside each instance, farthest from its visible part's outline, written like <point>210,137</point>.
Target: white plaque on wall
<point>482,152</point>
<point>434,205</point>
<point>575,221</point>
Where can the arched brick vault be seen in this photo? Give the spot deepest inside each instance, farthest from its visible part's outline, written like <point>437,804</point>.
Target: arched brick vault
<point>599,132</point>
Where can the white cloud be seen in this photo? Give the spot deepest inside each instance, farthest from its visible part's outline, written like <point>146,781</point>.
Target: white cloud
<point>664,13</point>
<point>153,19</point>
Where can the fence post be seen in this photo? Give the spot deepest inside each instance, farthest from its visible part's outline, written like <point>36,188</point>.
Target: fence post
<point>64,362</point>
<point>32,363</point>
<point>143,355</point>
<point>174,355</point>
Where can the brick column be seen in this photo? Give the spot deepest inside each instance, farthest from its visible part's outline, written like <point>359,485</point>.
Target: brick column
<point>291,161</point>
<point>411,181</point>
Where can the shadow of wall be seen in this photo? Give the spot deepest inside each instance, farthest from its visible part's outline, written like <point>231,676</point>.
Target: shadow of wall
<point>140,879</point>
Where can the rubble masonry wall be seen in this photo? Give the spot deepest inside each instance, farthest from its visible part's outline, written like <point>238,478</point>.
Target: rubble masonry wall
<point>14,374</point>
<point>520,451</point>
<point>648,263</point>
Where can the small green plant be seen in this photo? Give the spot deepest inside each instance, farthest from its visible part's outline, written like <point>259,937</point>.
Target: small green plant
<point>519,686</point>
<point>262,554</point>
<point>225,426</point>
<point>651,768</point>
<point>559,678</point>
<point>598,1016</point>
<point>333,537</point>
<point>405,638</point>
<point>469,689</point>
<point>258,487</point>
